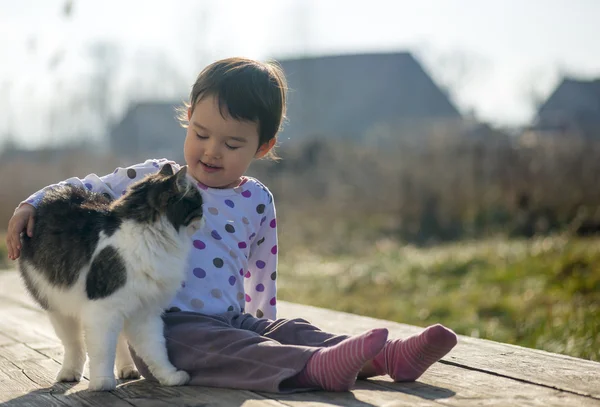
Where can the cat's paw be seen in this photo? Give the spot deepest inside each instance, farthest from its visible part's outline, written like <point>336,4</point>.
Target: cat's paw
<point>102,383</point>
<point>128,372</point>
<point>177,378</point>
<point>67,374</point>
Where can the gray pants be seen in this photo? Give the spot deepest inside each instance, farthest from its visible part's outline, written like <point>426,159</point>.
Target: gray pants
<point>240,351</point>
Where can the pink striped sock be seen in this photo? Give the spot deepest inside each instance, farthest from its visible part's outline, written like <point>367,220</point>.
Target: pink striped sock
<point>405,360</point>
<point>336,368</point>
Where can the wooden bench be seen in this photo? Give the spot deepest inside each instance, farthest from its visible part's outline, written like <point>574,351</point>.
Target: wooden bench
<point>477,372</point>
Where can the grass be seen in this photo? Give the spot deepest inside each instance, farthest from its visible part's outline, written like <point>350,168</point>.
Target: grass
<point>542,293</point>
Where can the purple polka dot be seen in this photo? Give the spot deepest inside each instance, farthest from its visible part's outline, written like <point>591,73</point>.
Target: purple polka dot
<point>216,235</point>
<point>248,299</point>
<point>200,273</point>
<point>199,244</point>
<point>31,201</point>
<point>183,284</point>
<point>273,223</point>
<point>88,185</point>
<point>155,164</point>
<point>248,275</point>
<point>229,203</point>
<point>260,288</point>
<point>242,245</point>
<point>273,301</point>
<point>260,264</point>
<point>115,171</point>
<point>241,272</point>
<point>274,249</point>
<point>232,280</point>
<point>264,218</point>
<point>246,194</point>
<point>252,236</point>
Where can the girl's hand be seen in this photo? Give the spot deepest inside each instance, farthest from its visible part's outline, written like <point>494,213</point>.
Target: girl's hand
<point>21,219</point>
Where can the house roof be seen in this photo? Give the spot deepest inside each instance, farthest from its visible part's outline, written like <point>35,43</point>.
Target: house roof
<point>146,126</point>
<point>350,93</point>
<point>572,99</point>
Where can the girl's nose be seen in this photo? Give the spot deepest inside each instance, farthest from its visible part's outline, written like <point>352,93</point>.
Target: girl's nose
<point>213,151</point>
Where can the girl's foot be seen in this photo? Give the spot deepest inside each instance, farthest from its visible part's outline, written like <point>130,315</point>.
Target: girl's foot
<point>336,368</point>
<point>405,360</point>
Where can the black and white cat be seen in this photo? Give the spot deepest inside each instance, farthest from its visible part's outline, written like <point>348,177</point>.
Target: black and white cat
<point>105,271</point>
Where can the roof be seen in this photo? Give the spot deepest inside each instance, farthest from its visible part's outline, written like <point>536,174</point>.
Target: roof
<point>148,127</point>
<point>572,100</point>
<point>351,93</point>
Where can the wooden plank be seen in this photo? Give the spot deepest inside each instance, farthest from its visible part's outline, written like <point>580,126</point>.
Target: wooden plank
<point>17,387</point>
<point>141,392</point>
<point>366,393</point>
<point>40,334</point>
<point>5,340</point>
<point>446,385</point>
<point>552,370</point>
<point>37,398</point>
<point>37,377</point>
<point>456,386</point>
<point>457,381</point>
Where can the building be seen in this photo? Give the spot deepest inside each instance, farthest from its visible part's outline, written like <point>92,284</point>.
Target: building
<point>573,110</point>
<point>349,95</point>
<point>346,96</point>
<point>149,129</point>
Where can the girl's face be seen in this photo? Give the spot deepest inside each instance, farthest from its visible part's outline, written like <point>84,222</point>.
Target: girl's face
<point>219,149</point>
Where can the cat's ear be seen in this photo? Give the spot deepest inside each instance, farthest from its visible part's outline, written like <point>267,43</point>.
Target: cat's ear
<point>166,169</point>
<point>181,179</point>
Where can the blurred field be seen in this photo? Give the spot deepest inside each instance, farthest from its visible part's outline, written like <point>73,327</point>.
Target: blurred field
<point>542,293</point>
<point>486,237</point>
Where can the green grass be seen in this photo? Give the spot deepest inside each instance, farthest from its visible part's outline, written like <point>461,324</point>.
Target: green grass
<point>543,293</point>
<point>4,261</point>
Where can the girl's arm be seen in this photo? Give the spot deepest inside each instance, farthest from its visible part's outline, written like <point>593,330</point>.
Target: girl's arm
<point>261,286</point>
<point>113,184</point>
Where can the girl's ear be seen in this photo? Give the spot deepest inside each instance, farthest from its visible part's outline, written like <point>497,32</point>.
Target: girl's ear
<point>189,114</point>
<point>265,148</point>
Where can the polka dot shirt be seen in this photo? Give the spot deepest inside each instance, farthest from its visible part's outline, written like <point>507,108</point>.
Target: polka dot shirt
<point>232,265</point>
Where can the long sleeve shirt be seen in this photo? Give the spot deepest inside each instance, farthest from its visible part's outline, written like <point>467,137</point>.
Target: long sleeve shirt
<point>232,264</point>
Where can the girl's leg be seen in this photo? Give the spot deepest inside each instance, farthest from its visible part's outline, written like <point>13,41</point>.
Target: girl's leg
<point>402,359</point>
<point>296,331</point>
<point>216,353</point>
<point>334,368</point>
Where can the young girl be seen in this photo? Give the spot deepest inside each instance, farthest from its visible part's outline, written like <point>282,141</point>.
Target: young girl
<point>221,327</point>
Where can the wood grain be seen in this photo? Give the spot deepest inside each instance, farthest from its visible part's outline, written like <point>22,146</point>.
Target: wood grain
<point>475,373</point>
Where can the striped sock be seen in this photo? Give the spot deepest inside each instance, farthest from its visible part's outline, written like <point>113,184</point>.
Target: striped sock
<point>405,360</point>
<point>336,368</point>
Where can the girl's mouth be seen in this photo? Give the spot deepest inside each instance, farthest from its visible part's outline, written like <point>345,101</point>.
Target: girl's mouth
<point>210,168</point>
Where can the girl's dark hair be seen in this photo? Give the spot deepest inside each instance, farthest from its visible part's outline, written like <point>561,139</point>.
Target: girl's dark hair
<point>248,89</point>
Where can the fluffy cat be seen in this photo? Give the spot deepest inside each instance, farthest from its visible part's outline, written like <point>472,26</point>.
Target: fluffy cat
<point>105,271</point>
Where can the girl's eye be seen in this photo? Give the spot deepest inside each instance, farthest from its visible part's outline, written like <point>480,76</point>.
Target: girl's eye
<point>231,147</point>
<point>201,137</point>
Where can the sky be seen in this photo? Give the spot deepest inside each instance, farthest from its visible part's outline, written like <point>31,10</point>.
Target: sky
<point>495,57</point>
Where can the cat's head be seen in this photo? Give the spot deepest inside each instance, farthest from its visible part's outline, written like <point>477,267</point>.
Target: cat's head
<point>167,194</point>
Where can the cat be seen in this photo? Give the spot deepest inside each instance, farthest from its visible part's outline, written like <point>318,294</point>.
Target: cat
<point>105,271</point>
